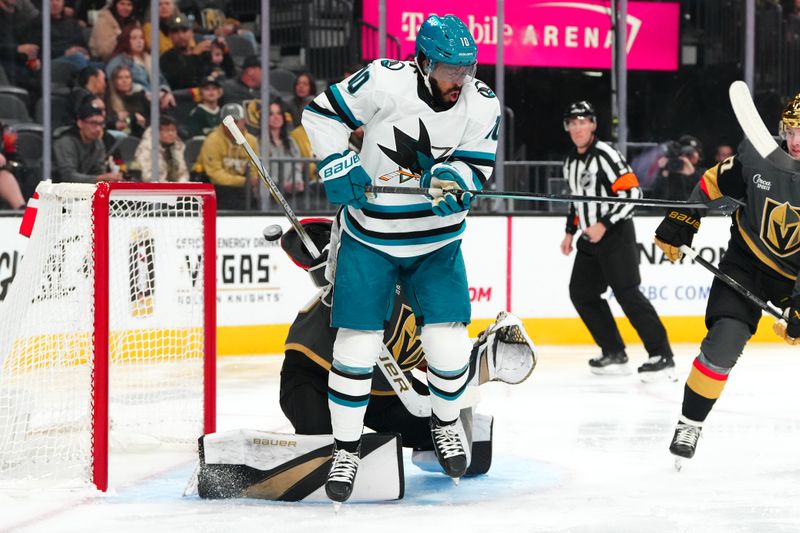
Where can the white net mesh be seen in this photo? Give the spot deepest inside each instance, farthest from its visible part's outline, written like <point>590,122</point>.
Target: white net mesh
<point>156,334</point>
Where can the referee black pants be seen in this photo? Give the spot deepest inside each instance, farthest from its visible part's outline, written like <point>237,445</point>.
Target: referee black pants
<point>614,262</point>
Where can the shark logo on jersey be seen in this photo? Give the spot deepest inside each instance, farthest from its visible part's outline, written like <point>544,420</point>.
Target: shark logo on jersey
<point>780,227</point>
<point>414,155</point>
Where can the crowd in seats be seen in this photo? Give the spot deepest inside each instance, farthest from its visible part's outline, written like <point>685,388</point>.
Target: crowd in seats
<point>100,94</point>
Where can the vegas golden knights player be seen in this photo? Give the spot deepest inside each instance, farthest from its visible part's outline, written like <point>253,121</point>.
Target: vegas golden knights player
<point>762,255</point>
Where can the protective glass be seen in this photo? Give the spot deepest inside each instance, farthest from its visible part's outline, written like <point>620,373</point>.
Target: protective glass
<point>453,73</point>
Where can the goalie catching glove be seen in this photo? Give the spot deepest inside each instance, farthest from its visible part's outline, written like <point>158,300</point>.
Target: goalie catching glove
<point>507,353</point>
<point>454,196</point>
<point>677,229</point>
<point>789,328</point>
<point>344,179</point>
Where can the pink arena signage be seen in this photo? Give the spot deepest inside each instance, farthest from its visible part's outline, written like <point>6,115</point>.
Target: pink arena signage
<point>539,33</point>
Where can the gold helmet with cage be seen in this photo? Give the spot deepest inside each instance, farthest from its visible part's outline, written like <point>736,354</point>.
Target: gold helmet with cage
<point>790,118</point>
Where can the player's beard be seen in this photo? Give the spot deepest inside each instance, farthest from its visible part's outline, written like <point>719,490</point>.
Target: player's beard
<point>445,99</point>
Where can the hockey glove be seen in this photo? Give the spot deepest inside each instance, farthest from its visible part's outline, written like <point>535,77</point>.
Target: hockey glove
<point>454,197</point>
<point>344,179</point>
<point>789,328</point>
<point>675,230</point>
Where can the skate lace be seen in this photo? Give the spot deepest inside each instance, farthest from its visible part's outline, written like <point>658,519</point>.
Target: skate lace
<point>344,466</point>
<point>447,441</point>
<point>687,435</point>
<point>653,360</point>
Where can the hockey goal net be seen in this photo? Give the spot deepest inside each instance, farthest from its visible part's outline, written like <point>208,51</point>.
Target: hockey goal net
<point>108,329</point>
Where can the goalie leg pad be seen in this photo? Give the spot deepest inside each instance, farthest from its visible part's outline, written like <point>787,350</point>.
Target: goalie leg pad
<point>284,467</point>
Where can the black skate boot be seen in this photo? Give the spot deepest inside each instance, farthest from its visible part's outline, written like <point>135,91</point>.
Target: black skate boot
<point>610,364</point>
<point>342,474</point>
<point>658,367</point>
<point>448,447</point>
<point>684,442</point>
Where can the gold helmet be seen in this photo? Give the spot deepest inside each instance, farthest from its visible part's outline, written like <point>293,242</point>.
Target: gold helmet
<point>790,118</point>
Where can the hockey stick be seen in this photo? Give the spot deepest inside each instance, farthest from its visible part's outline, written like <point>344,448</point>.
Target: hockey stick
<point>755,130</point>
<point>413,401</point>
<point>732,283</point>
<point>724,203</point>
<point>238,137</point>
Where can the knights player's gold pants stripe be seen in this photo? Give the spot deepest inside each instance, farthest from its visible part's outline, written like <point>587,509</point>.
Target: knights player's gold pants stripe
<point>705,386</point>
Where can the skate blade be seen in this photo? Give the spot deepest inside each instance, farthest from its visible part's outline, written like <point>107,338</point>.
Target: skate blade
<point>456,481</point>
<point>679,461</point>
<point>336,507</point>
<point>660,376</point>
<point>611,370</point>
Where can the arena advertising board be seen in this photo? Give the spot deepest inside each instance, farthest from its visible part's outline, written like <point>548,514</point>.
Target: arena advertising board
<point>541,33</point>
<point>512,263</point>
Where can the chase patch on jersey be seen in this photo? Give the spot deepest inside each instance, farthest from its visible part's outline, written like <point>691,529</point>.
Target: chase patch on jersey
<point>780,227</point>
<point>414,155</point>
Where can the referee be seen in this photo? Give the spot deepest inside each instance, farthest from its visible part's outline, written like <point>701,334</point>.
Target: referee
<point>607,252</point>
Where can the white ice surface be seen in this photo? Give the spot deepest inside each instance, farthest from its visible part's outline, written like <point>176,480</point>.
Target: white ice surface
<point>572,452</point>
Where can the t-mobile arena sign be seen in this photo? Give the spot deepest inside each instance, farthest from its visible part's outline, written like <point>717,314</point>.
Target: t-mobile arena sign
<point>540,33</point>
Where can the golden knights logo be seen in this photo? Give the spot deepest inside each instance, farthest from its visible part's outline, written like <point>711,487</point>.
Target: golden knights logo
<point>780,227</point>
<point>141,272</point>
<point>404,344</point>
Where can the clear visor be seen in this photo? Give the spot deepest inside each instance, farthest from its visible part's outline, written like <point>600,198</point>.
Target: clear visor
<point>453,73</point>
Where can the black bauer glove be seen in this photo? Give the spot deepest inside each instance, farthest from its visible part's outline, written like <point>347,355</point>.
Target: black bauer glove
<point>789,328</point>
<point>677,229</point>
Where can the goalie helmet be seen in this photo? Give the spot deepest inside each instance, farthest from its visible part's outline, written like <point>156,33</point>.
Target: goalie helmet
<point>790,118</point>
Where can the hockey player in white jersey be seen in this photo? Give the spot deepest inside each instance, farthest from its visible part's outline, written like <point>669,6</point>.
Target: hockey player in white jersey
<point>428,123</point>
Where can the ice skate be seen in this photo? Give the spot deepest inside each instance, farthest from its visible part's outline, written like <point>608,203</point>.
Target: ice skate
<point>684,442</point>
<point>611,364</point>
<point>449,449</point>
<point>658,368</point>
<point>341,476</point>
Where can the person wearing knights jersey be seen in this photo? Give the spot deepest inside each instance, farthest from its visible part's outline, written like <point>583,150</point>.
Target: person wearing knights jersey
<point>503,352</point>
<point>427,123</point>
<point>607,254</point>
<point>763,255</point>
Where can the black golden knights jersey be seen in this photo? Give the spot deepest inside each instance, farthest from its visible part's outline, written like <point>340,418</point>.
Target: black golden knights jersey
<point>769,224</point>
<point>311,335</point>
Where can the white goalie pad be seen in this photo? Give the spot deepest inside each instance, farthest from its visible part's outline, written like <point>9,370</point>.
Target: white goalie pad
<point>506,352</point>
<point>285,467</point>
<point>479,443</point>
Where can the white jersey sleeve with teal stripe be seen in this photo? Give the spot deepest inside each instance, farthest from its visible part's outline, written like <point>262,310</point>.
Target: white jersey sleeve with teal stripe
<point>334,114</point>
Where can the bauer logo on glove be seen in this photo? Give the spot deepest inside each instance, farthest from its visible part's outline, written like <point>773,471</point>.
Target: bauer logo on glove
<point>344,179</point>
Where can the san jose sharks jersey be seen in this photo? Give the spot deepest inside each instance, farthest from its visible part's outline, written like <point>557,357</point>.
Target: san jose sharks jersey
<point>405,134</point>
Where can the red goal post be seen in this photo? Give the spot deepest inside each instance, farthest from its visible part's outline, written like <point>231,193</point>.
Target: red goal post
<point>110,326</point>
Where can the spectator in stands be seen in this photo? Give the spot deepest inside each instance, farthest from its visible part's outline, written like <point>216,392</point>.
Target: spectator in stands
<point>19,60</point>
<point>226,163</point>
<point>110,22</point>
<point>724,151</point>
<point>304,91</point>
<point>300,138</point>
<point>182,65</point>
<point>205,115</point>
<point>166,14</point>
<point>217,62</point>
<point>171,164</point>
<point>10,193</point>
<point>91,82</point>
<point>79,154</point>
<point>66,36</point>
<point>679,171</point>
<point>248,85</point>
<point>129,108</point>
<point>289,175</point>
<point>130,51</point>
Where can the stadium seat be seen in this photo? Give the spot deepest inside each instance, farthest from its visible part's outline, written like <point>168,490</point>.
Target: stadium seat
<point>13,109</point>
<point>282,80</point>
<point>240,47</point>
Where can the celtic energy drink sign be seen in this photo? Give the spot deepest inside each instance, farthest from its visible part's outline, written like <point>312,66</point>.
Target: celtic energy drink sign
<point>539,33</point>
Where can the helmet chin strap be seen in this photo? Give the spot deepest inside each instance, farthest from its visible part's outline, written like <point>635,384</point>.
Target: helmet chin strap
<point>425,74</point>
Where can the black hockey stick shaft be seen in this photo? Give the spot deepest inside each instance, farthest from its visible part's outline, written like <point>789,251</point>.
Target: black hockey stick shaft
<point>272,186</point>
<point>732,283</point>
<point>723,203</point>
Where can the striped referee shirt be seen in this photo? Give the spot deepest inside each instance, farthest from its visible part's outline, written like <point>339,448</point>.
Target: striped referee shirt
<point>600,171</point>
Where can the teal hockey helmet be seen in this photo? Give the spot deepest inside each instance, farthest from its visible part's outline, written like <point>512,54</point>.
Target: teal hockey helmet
<point>446,40</point>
